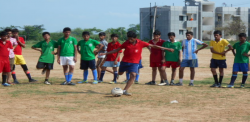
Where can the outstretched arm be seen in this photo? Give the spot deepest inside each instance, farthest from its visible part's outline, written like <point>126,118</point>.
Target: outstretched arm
<point>111,52</point>
<point>159,47</point>
<point>204,46</point>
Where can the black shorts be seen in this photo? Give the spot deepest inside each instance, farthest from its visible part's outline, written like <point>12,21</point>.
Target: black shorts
<point>42,65</point>
<point>218,63</point>
<point>87,64</point>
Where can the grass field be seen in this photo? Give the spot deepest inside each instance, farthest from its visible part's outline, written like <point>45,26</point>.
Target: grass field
<point>86,102</point>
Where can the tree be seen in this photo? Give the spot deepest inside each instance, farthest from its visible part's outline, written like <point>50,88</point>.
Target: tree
<point>235,27</point>
<point>136,28</point>
<point>33,32</point>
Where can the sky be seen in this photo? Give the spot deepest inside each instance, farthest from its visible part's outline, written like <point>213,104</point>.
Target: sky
<point>102,14</point>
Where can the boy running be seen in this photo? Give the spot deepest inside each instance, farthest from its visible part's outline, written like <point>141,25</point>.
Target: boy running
<point>86,49</point>
<point>189,48</point>
<point>241,60</point>
<point>112,60</point>
<point>67,55</point>
<point>217,47</point>
<point>46,60</point>
<point>132,55</point>
<point>101,58</point>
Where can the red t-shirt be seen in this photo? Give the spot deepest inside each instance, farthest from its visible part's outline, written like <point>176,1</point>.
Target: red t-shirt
<point>5,50</point>
<point>18,49</point>
<point>132,53</point>
<point>156,54</point>
<point>111,46</point>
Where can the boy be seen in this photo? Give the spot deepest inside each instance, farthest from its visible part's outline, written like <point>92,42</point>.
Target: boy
<point>172,59</point>
<point>11,55</point>
<point>112,60</point>
<point>241,60</point>
<point>217,47</point>
<point>46,60</point>
<point>19,59</point>
<point>5,47</point>
<point>86,49</point>
<point>189,48</point>
<point>67,55</point>
<point>132,55</point>
<point>156,58</point>
<point>100,60</point>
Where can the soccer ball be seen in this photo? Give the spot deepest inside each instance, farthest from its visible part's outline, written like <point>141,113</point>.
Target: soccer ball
<point>116,92</point>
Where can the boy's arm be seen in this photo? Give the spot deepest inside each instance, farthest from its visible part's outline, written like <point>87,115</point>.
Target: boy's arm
<point>78,49</point>
<point>163,56</point>
<point>19,42</point>
<point>159,47</point>
<point>179,57</point>
<point>118,55</point>
<point>37,49</point>
<point>204,46</point>
<point>233,52</point>
<point>75,58</point>
<point>98,49</point>
<point>111,52</point>
<point>58,54</point>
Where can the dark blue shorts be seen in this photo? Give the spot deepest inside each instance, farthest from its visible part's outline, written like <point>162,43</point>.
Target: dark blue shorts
<point>87,64</point>
<point>140,65</point>
<point>129,67</point>
<point>218,63</point>
<point>189,63</point>
<point>240,67</point>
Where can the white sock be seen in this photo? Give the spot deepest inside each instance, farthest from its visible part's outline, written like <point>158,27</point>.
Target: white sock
<point>181,80</point>
<point>191,81</point>
<point>124,90</point>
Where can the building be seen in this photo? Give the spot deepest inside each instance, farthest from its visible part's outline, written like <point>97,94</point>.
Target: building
<point>198,16</point>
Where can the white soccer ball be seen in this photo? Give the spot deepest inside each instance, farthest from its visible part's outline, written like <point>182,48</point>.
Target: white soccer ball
<point>116,92</point>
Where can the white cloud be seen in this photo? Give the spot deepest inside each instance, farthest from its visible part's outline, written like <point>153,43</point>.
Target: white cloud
<point>123,15</point>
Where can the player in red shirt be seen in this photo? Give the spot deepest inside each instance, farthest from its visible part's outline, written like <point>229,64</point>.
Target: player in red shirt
<point>156,58</point>
<point>112,60</point>
<point>5,47</point>
<point>19,60</point>
<point>132,55</point>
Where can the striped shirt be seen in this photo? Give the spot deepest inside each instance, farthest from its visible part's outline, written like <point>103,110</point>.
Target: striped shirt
<point>189,48</point>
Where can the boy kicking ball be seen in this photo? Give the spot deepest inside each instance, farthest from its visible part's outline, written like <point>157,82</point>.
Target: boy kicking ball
<point>46,60</point>
<point>112,60</point>
<point>132,55</point>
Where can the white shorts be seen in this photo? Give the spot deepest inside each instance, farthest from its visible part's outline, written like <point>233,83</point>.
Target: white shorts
<point>64,60</point>
<point>110,64</point>
<point>101,56</point>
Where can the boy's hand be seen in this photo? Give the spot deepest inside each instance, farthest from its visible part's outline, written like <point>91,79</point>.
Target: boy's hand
<point>179,62</point>
<point>95,52</point>
<point>115,63</point>
<point>196,51</point>
<point>245,54</point>
<point>75,59</point>
<point>163,61</point>
<point>171,50</point>
<point>101,54</point>
<point>223,53</point>
<point>58,61</point>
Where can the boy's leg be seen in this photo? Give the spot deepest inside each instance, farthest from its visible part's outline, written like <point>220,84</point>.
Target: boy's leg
<point>216,82</point>
<point>163,75</point>
<point>129,83</point>
<point>4,79</point>
<point>154,73</point>
<point>181,74</point>
<point>102,74</point>
<point>221,70</point>
<point>137,77</point>
<point>115,74</point>
<point>192,74</point>
<point>66,73</point>
<point>71,71</point>
<point>94,72</point>
<point>98,66</point>
<point>233,78</point>
<point>244,78</point>
<point>173,75</point>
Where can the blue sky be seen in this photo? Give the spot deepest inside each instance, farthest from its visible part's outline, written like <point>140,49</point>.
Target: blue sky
<point>103,14</point>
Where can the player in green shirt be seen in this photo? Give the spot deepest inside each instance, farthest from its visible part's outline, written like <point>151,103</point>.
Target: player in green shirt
<point>46,60</point>
<point>171,58</point>
<point>241,60</point>
<point>86,49</point>
<point>67,55</point>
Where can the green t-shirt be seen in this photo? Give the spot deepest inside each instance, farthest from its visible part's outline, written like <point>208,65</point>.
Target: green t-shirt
<point>87,49</point>
<point>47,49</point>
<point>172,56</point>
<point>67,46</point>
<point>240,50</point>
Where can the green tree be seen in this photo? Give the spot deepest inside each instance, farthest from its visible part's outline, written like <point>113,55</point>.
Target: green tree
<point>33,32</point>
<point>136,28</point>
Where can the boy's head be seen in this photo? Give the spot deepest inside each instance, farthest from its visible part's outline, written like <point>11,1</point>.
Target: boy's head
<point>114,37</point>
<point>3,35</point>
<point>15,32</point>
<point>157,35</point>
<point>171,36</point>
<point>8,31</point>
<point>86,35</point>
<point>102,35</point>
<point>217,35</point>
<point>189,35</point>
<point>46,35</point>
<point>66,31</point>
<point>242,37</point>
<point>131,36</point>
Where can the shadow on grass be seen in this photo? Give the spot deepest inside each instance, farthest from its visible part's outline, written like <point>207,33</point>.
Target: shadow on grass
<point>87,92</point>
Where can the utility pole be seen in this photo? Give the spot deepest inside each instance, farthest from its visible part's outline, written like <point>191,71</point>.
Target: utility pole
<point>154,22</point>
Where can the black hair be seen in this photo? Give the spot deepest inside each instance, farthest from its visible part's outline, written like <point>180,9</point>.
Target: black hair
<point>218,32</point>
<point>131,34</point>
<point>44,33</point>
<point>3,33</point>
<point>171,34</point>
<point>157,32</point>
<point>66,29</point>
<point>15,30</point>
<point>85,33</point>
<point>102,34</point>
<point>242,35</point>
<point>7,30</point>
<point>190,32</point>
<point>114,35</point>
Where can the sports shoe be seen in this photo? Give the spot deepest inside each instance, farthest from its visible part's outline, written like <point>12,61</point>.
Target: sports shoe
<point>150,83</point>
<point>166,83</point>
<point>228,86</point>
<point>16,82</point>
<point>64,83</point>
<point>219,85</point>
<point>71,83</point>
<point>126,93</point>
<point>162,84</point>
<point>32,80</point>
<point>172,83</point>
<point>112,82</point>
<point>47,83</point>
<point>6,84</point>
<point>242,86</point>
<point>136,82</point>
<point>191,84</point>
<point>43,71</point>
<point>100,81</point>
<point>95,82</point>
<point>80,82</point>
<point>215,85</point>
<point>179,84</point>
<point>124,82</point>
